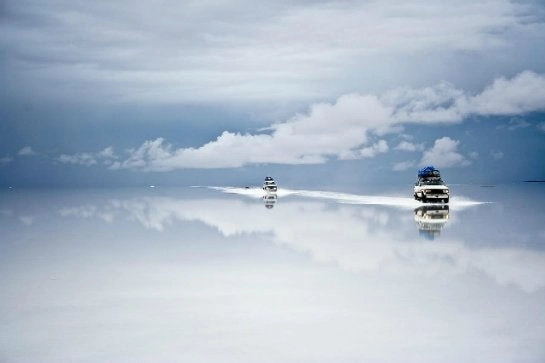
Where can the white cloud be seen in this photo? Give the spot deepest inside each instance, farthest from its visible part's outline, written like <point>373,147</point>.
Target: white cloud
<point>340,130</point>
<point>87,159</point>
<point>443,103</point>
<point>408,146</point>
<point>108,156</point>
<point>26,151</point>
<point>5,160</point>
<point>107,153</point>
<point>523,93</point>
<point>367,152</point>
<point>371,151</point>
<point>444,154</point>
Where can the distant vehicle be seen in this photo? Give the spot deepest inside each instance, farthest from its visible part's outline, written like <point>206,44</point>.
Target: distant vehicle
<point>269,185</point>
<point>429,187</point>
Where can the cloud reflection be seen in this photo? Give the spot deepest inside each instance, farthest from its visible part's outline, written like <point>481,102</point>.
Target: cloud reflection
<point>360,239</point>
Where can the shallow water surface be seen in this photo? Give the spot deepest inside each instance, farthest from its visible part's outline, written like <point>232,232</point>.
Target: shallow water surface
<point>222,274</point>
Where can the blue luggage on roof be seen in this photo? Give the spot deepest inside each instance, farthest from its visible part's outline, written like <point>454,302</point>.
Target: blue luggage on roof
<point>428,171</point>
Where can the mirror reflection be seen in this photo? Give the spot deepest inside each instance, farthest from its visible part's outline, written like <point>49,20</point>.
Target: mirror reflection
<point>269,199</point>
<point>431,219</point>
<point>172,270</point>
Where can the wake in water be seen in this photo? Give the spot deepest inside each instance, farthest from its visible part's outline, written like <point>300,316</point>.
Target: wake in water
<point>400,202</point>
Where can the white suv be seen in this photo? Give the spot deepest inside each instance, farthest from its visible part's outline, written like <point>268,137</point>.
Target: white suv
<point>431,189</point>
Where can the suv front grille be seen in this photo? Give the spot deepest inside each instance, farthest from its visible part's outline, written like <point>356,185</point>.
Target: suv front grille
<point>435,191</point>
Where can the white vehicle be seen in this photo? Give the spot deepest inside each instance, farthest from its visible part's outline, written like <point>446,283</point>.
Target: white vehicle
<point>269,185</point>
<point>429,187</point>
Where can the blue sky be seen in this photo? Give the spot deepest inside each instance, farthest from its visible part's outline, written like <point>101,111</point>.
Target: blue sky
<point>313,92</point>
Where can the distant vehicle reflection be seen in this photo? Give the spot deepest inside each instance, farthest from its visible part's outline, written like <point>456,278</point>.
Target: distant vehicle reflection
<point>269,199</point>
<point>431,219</point>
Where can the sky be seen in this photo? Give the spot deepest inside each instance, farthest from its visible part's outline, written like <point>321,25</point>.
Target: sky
<point>318,93</point>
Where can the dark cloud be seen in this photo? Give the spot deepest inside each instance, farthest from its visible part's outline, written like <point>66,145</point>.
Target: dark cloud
<point>233,51</point>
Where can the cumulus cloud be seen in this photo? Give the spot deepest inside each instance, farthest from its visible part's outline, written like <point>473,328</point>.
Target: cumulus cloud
<point>409,146</point>
<point>341,130</point>
<point>444,154</point>
<point>107,153</point>
<point>367,152</point>
<point>444,103</point>
<point>26,151</point>
<point>371,151</point>
<point>346,129</point>
<point>521,94</point>
<point>87,159</point>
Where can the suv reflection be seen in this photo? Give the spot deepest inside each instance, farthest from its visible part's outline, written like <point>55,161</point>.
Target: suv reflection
<point>431,220</point>
<point>269,200</point>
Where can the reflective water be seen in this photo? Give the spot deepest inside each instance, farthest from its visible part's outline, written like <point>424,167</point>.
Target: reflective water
<point>233,275</point>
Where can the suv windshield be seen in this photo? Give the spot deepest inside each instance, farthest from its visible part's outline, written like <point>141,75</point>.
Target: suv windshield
<point>437,181</point>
